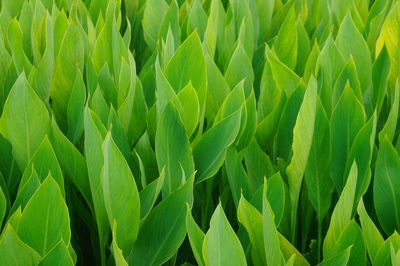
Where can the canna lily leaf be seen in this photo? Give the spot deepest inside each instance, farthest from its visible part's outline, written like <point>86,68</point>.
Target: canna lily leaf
<point>221,245</point>
<point>385,193</point>
<point>173,149</point>
<point>45,219</point>
<point>209,152</point>
<point>25,113</point>
<point>116,175</point>
<point>341,216</point>
<point>14,251</point>
<point>302,140</point>
<point>164,230</point>
<point>196,238</point>
<point>58,255</point>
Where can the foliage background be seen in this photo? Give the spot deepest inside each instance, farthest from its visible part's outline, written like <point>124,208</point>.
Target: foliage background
<point>208,132</point>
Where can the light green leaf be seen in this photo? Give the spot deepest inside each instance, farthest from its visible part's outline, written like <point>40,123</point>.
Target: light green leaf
<point>14,252</point>
<point>302,139</point>
<point>117,252</point>
<point>149,195</point>
<point>188,65</point>
<point>389,36</point>
<point>172,149</point>
<point>252,220</point>
<point>221,246</point>
<point>68,62</point>
<point>164,230</point>
<point>240,68</point>
<point>341,216</point>
<point>25,121</point>
<point>389,129</point>
<point>94,136</point>
<point>154,13</point>
<point>317,179</point>
<point>75,109</point>
<point>372,236</point>
<point>347,119</point>
<point>340,259</point>
<point>285,44</point>
<point>44,161</point>
<point>271,240</point>
<point>386,192</point>
<point>119,186</point>
<point>380,75</point>
<point>58,256</point>
<point>357,48</point>
<point>71,161</point>
<point>45,219</point>
<point>209,152</point>
<point>284,77</point>
<point>196,238</point>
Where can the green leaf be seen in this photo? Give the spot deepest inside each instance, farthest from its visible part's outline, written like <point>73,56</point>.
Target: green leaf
<point>389,36</point>
<point>221,246</point>
<point>372,236</point>
<point>197,19</point>
<point>283,76</point>
<point>383,257</point>
<point>14,252</point>
<point>209,152</point>
<point>302,139</point>
<point>173,149</point>
<point>68,62</point>
<point>215,26</point>
<point>164,230</point>
<point>380,75</point>
<point>252,220</point>
<point>25,121</point>
<point>26,190</point>
<point>319,184</point>
<point>149,195</point>
<point>341,216</point>
<point>347,119</point>
<point>59,255</point>
<point>117,252</point>
<point>45,220</point>
<point>361,152</point>
<point>352,236</point>
<point>44,161</point>
<point>239,69</point>
<point>276,196</point>
<point>386,194</point>
<point>190,112</point>
<point>285,44</point>
<point>3,205</point>
<point>236,175</point>
<point>119,186</point>
<point>330,63</point>
<point>71,161</point>
<point>389,129</point>
<point>340,259</point>
<point>171,23</point>
<point>288,250</point>
<point>196,238</point>
<point>75,109</point>
<point>188,65</point>
<point>271,240</point>
<point>94,136</point>
<point>357,48</point>
<point>154,13</point>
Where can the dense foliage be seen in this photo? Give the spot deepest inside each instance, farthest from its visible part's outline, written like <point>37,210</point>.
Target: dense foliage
<point>208,132</point>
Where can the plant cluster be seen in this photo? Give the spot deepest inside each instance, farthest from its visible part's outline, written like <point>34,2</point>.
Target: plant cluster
<point>207,132</point>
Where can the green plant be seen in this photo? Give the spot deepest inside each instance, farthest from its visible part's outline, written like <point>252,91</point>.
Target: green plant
<point>208,132</point>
